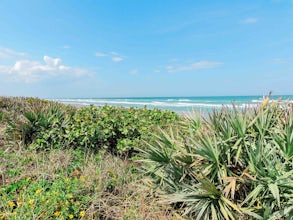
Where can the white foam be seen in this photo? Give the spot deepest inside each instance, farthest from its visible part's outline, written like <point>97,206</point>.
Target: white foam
<point>184,100</point>
<point>168,103</point>
<point>256,101</point>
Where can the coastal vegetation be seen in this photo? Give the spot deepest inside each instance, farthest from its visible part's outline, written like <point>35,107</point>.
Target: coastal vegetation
<point>60,161</point>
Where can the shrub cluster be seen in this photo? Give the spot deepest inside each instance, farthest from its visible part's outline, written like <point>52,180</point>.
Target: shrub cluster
<point>234,165</point>
<point>44,124</point>
<point>118,130</point>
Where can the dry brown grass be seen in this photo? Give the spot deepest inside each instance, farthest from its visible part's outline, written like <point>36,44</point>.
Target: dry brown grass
<point>113,186</point>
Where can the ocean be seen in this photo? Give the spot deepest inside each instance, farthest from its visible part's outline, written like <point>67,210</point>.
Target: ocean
<point>178,104</point>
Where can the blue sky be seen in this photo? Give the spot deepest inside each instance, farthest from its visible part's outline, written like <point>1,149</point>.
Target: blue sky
<point>108,48</point>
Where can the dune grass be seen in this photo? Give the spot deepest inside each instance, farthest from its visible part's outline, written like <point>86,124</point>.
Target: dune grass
<point>73,184</point>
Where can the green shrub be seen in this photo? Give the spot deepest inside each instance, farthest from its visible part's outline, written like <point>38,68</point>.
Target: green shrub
<point>237,164</point>
<point>2,116</point>
<point>119,130</point>
<point>35,121</point>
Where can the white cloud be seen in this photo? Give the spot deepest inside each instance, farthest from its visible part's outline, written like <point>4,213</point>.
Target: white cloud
<point>4,69</point>
<point>249,20</point>
<point>193,66</point>
<point>99,54</point>
<point>33,71</point>
<point>134,71</point>
<point>52,61</point>
<point>80,72</point>
<point>170,67</point>
<point>66,47</point>
<point>117,59</point>
<point>9,53</point>
<point>114,53</point>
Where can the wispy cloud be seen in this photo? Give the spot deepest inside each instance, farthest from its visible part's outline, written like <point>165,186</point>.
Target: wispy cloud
<point>193,66</point>
<point>66,47</point>
<point>114,53</point>
<point>115,57</point>
<point>9,53</point>
<point>282,61</point>
<point>99,54</point>
<point>249,20</point>
<point>134,71</point>
<point>33,71</point>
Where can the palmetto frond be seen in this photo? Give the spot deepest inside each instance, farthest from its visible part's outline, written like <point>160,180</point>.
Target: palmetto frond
<point>236,164</point>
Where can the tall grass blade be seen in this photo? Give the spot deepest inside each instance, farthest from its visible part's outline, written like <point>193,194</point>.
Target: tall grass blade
<point>275,191</point>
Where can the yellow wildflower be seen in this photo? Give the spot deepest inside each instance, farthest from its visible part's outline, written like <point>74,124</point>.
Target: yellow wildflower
<point>3,216</point>
<point>67,180</point>
<point>70,196</point>
<point>66,202</point>
<point>71,216</point>
<point>56,214</point>
<point>28,179</point>
<point>38,191</point>
<point>258,204</point>
<point>11,204</point>
<point>82,178</point>
<point>76,173</point>
<point>19,203</point>
<point>31,201</point>
<point>56,193</point>
<point>265,101</point>
<point>82,213</point>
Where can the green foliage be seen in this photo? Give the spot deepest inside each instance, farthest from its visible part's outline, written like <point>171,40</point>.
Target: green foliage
<point>37,121</point>
<point>43,198</point>
<point>236,164</point>
<point>2,116</point>
<point>40,178</point>
<point>44,124</point>
<point>72,184</point>
<point>117,129</point>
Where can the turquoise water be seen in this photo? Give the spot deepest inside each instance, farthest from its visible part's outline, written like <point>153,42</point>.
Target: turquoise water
<point>178,104</point>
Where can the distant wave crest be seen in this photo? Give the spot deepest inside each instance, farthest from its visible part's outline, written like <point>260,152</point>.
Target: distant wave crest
<point>171,104</point>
